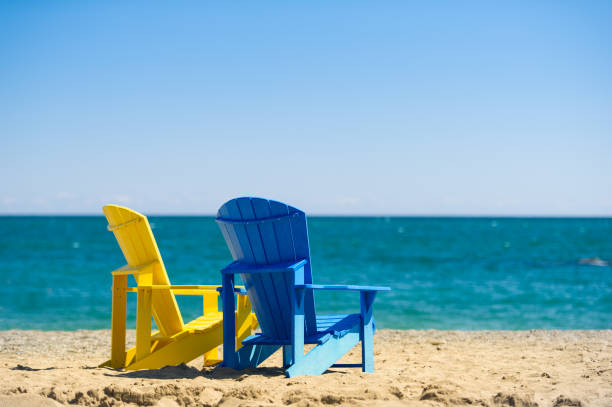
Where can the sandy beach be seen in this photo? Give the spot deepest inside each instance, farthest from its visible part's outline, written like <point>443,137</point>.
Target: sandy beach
<point>413,368</point>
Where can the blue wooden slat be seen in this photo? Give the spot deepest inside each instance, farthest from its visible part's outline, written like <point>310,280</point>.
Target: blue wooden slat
<point>337,323</point>
<point>282,229</point>
<point>267,283</point>
<point>284,304</point>
<point>261,208</point>
<point>284,239</point>
<point>302,251</point>
<point>263,282</point>
<point>237,267</point>
<point>330,319</point>
<point>230,236</point>
<point>256,293</point>
<point>226,236</point>
<point>258,221</point>
<point>246,210</point>
<point>240,249</point>
<point>300,241</point>
<point>239,231</point>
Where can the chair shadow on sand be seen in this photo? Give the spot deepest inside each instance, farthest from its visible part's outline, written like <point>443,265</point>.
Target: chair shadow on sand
<point>189,372</point>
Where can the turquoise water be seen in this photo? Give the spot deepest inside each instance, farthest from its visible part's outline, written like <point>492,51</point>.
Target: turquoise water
<point>446,273</point>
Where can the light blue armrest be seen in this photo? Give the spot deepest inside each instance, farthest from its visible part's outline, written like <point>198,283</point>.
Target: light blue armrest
<point>241,268</point>
<point>343,287</point>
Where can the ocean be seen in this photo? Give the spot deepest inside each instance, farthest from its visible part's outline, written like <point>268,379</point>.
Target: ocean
<point>445,273</point>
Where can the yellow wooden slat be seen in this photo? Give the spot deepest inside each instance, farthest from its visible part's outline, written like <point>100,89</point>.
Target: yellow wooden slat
<point>127,269</point>
<point>180,291</point>
<point>210,309</point>
<point>210,303</point>
<point>118,322</point>
<point>143,323</point>
<point>243,320</point>
<point>202,288</point>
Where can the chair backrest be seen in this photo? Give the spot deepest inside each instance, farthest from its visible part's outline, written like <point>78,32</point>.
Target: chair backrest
<point>259,232</point>
<point>134,235</point>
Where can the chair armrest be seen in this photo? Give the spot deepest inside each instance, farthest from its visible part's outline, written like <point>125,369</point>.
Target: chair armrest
<point>241,268</point>
<point>126,270</point>
<point>342,287</point>
<point>237,290</point>
<point>189,289</point>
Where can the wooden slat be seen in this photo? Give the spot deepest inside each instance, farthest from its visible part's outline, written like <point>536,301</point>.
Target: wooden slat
<point>143,323</point>
<point>302,251</point>
<point>118,322</point>
<point>254,239</point>
<point>210,303</point>
<point>261,209</point>
<point>284,242</point>
<point>266,281</point>
<point>229,235</point>
<point>258,294</point>
<point>127,269</point>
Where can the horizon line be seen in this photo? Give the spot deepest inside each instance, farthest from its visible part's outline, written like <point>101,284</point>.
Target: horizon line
<point>330,215</point>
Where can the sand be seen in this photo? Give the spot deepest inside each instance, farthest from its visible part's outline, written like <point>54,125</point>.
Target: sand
<point>413,368</point>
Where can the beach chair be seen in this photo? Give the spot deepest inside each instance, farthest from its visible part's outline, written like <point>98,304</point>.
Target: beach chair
<point>268,241</point>
<point>175,342</point>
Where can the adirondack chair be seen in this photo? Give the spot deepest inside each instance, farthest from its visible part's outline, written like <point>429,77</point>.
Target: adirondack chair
<point>175,342</point>
<point>268,241</point>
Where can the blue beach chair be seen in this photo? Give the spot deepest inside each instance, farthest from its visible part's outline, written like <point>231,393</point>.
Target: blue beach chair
<point>268,241</point>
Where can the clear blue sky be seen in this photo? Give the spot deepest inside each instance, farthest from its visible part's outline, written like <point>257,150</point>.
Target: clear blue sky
<point>336,107</point>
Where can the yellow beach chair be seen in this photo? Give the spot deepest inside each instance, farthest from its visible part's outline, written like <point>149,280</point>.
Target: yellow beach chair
<point>175,342</point>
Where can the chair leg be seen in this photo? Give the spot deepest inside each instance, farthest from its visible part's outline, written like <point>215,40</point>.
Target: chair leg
<point>367,349</point>
<point>118,322</point>
<point>367,331</point>
<point>143,323</point>
<point>323,356</point>
<point>211,357</point>
<point>229,322</point>
<point>287,353</point>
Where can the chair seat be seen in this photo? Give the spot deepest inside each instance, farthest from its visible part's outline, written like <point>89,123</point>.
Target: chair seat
<point>327,326</point>
<point>204,322</point>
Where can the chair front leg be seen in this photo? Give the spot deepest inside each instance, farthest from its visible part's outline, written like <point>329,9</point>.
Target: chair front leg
<point>297,328</point>
<point>229,322</point>
<point>210,304</point>
<point>118,321</point>
<point>367,331</point>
